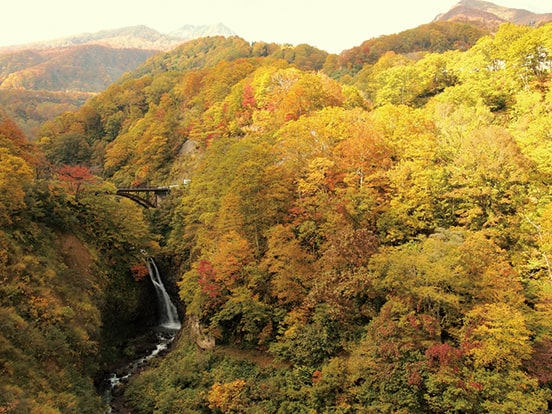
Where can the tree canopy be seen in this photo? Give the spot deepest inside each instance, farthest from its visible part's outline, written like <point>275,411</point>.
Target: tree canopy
<point>368,239</point>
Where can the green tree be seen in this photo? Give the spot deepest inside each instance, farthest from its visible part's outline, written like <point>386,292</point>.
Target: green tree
<point>68,148</point>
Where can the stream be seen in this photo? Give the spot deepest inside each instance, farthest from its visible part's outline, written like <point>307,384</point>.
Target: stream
<point>167,327</point>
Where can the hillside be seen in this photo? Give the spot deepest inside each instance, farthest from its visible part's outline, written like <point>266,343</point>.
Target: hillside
<point>458,28</point>
<point>90,62</point>
<point>30,109</point>
<point>369,232</point>
<point>38,85</point>
<point>382,243</point>
<point>432,37</point>
<point>62,73</point>
<point>88,68</point>
<point>92,68</point>
<point>68,304</point>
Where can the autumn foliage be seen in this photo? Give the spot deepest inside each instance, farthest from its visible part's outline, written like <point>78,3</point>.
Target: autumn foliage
<point>372,238</point>
<point>75,177</point>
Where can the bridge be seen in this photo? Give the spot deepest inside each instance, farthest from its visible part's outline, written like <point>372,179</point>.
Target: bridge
<point>147,197</point>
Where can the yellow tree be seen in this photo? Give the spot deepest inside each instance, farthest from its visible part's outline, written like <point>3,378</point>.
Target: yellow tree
<point>488,179</point>
<point>290,267</point>
<point>15,177</point>
<point>399,85</point>
<point>496,343</point>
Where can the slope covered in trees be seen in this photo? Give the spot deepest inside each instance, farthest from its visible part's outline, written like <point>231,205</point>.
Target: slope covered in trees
<point>436,37</point>
<point>67,301</point>
<point>375,244</point>
<point>89,68</point>
<point>38,85</point>
<point>30,109</point>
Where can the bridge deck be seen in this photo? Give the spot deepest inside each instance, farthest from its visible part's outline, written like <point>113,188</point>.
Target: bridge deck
<point>151,198</point>
<point>165,189</point>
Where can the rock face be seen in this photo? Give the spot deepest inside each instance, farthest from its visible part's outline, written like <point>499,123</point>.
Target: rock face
<point>202,339</point>
<point>492,15</point>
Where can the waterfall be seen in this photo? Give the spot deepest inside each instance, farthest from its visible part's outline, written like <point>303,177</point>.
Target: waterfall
<point>167,328</point>
<point>168,315</point>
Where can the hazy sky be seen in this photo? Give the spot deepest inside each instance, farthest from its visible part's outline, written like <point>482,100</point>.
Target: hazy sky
<point>330,25</point>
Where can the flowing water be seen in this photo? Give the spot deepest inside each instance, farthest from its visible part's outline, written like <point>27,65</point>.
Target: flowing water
<point>168,317</point>
<point>165,331</point>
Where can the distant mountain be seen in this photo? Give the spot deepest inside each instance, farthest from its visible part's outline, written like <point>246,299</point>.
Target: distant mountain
<point>190,31</point>
<point>133,37</point>
<point>85,68</point>
<point>41,80</point>
<point>492,15</point>
<point>37,85</point>
<point>459,28</point>
<point>90,62</point>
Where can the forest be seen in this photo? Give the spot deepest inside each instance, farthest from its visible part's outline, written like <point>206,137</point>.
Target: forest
<point>368,232</point>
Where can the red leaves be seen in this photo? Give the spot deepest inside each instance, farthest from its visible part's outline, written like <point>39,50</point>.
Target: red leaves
<point>10,130</point>
<point>316,376</point>
<point>540,365</point>
<point>415,379</point>
<point>248,97</point>
<point>444,355</point>
<point>207,279</point>
<point>75,176</point>
<point>139,272</point>
<point>476,386</point>
<point>75,173</point>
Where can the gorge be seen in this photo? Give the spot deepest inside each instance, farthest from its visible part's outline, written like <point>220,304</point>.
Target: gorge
<point>167,327</point>
<point>368,232</point>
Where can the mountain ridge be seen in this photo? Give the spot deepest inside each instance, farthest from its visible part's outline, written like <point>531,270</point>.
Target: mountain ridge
<point>83,68</point>
<point>491,14</point>
<point>130,37</point>
<point>89,62</point>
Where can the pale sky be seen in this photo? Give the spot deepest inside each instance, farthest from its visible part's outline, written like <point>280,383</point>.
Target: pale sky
<point>329,25</point>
